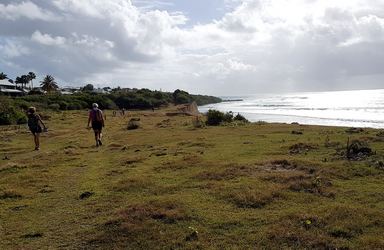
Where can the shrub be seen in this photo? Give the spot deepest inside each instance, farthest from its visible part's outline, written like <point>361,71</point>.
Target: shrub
<point>54,106</point>
<point>214,117</point>
<point>76,105</point>
<point>11,115</point>
<point>181,97</point>
<point>228,117</point>
<point>241,118</point>
<point>63,105</point>
<point>22,104</point>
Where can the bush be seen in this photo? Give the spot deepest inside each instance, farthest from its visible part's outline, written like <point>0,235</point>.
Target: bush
<point>76,105</point>
<point>63,105</point>
<point>22,104</point>
<point>214,117</point>
<point>181,97</point>
<point>10,114</point>
<point>228,117</point>
<point>240,118</point>
<point>54,106</point>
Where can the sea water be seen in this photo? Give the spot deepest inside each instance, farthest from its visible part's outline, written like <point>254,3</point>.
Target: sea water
<point>357,108</point>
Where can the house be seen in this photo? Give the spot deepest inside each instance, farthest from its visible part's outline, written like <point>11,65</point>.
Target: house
<point>100,91</point>
<point>7,88</point>
<point>69,90</point>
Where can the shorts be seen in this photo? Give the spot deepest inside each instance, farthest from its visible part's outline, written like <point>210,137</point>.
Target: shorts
<point>96,125</point>
<point>36,130</point>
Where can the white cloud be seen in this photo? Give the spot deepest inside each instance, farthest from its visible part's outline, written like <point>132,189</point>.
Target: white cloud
<point>27,10</point>
<point>261,45</point>
<point>47,39</point>
<point>12,49</point>
<point>240,66</point>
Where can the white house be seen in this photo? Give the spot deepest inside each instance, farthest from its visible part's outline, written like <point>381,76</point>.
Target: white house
<point>8,88</point>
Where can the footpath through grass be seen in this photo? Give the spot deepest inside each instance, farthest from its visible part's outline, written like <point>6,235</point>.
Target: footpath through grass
<point>169,185</point>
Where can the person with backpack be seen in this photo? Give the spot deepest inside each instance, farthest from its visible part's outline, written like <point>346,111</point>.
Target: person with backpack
<point>35,126</point>
<point>97,119</point>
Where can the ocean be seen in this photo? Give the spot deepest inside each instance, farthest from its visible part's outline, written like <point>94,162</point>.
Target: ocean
<point>357,108</point>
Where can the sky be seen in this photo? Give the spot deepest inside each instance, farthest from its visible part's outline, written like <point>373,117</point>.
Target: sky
<point>218,47</point>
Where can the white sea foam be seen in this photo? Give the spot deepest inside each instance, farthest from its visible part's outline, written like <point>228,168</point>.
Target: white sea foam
<point>359,108</point>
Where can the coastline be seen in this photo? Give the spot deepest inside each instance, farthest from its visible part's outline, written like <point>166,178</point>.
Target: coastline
<point>363,108</point>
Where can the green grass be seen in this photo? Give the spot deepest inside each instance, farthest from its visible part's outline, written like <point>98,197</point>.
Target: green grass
<point>168,185</point>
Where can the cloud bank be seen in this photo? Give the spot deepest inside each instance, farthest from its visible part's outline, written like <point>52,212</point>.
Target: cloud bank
<point>256,46</point>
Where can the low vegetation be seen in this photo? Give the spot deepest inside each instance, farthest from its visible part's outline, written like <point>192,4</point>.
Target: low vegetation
<point>173,185</point>
<point>12,110</point>
<point>215,117</point>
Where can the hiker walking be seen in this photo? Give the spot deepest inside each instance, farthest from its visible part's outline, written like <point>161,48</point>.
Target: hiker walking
<point>35,126</point>
<point>97,119</point>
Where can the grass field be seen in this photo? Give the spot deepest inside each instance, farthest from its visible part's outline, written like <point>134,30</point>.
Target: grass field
<point>169,185</point>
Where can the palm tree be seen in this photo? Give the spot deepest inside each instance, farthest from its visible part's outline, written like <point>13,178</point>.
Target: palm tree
<point>49,84</point>
<point>3,76</point>
<point>23,80</point>
<point>31,76</point>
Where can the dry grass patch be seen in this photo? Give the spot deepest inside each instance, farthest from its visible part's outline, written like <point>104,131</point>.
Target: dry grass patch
<point>133,184</point>
<point>228,172</point>
<point>187,161</point>
<point>133,160</point>
<point>300,148</point>
<point>12,168</point>
<point>250,198</point>
<point>314,185</point>
<point>332,228</point>
<point>283,165</point>
<point>297,177</point>
<point>10,194</point>
<point>149,225</point>
<point>255,195</point>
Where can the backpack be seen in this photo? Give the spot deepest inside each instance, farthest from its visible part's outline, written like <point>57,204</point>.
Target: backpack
<point>97,115</point>
<point>33,121</point>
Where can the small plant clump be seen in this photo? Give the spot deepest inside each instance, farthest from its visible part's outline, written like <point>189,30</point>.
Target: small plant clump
<point>10,114</point>
<point>215,117</point>
<point>358,150</point>
<point>134,123</point>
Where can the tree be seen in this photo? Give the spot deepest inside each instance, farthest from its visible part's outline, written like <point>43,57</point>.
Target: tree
<point>31,76</point>
<point>88,87</point>
<point>3,76</point>
<point>180,97</point>
<point>48,84</point>
<point>23,80</point>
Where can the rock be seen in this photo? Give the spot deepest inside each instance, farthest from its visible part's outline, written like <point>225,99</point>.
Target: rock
<point>294,132</point>
<point>354,130</point>
<point>32,235</point>
<point>194,235</point>
<point>358,150</point>
<point>134,123</point>
<point>86,195</point>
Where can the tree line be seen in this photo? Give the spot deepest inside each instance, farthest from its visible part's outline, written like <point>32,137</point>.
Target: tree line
<point>12,109</point>
<point>47,84</point>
